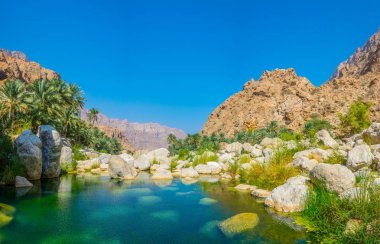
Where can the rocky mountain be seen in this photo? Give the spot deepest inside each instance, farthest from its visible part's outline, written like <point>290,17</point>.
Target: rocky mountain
<point>283,96</point>
<point>138,135</point>
<point>16,65</point>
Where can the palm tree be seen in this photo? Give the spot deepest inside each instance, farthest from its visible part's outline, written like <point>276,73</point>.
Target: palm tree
<point>172,139</point>
<point>46,102</point>
<point>69,119</point>
<point>93,115</point>
<point>12,100</point>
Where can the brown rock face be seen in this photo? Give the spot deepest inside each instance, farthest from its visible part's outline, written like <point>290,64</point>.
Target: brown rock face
<point>136,135</point>
<point>15,65</point>
<point>283,96</point>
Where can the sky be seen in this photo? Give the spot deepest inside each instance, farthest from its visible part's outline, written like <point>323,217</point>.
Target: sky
<point>174,61</point>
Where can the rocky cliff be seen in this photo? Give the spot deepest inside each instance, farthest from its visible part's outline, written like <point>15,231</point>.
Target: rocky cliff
<point>15,65</point>
<point>138,135</point>
<point>291,100</point>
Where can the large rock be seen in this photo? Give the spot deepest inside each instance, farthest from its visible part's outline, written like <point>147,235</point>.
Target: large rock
<point>360,156</point>
<point>271,142</point>
<point>239,223</point>
<point>160,155</point>
<point>289,197</point>
<point>28,147</point>
<point>215,167</point>
<point>162,174</point>
<point>326,139</point>
<point>143,162</point>
<point>66,152</point>
<point>372,134</point>
<point>189,172</point>
<point>203,169</point>
<point>235,147</point>
<point>119,169</point>
<point>335,177</point>
<point>315,153</point>
<point>51,151</point>
<point>304,163</point>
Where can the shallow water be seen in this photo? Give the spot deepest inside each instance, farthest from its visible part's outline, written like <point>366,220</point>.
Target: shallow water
<point>95,209</point>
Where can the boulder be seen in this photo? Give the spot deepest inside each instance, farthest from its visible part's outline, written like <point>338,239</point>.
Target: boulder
<point>352,226</point>
<point>160,155</point>
<point>66,152</point>
<point>51,151</point>
<point>271,142</point>
<point>226,157</point>
<point>360,156</point>
<point>326,139</point>
<point>253,150</point>
<point>304,163</point>
<point>315,153</point>
<point>189,172</point>
<point>118,168</point>
<point>105,158</point>
<point>22,182</point>
<point>289,197</point>
<point>238,224</point>
<point>261,193</point>
<point>87,164</point>
<point>28,148</point>
<point>235,147</point>
<point>372,134</point>
<point>127,157</point>
<point>376,182</point>
<point>354,193</point>
<point>203,169</point>
<point>162,174</point>
<point>142,162</point>
<point>335,177</point>
<point>215,167</point>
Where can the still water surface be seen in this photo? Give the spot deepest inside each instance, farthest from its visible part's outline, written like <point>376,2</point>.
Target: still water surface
<point>95,209</point>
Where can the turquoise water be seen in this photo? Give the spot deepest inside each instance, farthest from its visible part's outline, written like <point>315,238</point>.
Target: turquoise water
<point>95,209</point>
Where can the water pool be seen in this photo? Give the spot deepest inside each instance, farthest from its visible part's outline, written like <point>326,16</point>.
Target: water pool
<point>95,209</point>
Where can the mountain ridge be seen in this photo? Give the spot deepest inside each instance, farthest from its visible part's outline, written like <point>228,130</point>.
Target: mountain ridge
<point>276,95</point>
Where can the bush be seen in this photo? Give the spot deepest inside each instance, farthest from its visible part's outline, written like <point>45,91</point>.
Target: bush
<point>69,167</point>
<point>245,158</point>
<point>356,119</point>
<point>326,214</point>
<point>11,170</point>
<point>335,158</point>
<point>314,125</point>
<point>276,172</point>
<point>77,154</point>
<point>205,157</point>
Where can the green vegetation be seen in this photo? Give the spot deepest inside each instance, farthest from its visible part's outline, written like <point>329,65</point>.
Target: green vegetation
<point>276,171</point>
<point>335,158</point>
<point>327,215</point>
<point>245,158</point>
<point>204,157</point>
<point>356,119</point>
<point>314,125</point>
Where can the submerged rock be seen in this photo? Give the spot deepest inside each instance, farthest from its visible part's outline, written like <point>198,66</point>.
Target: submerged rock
<point>207,201</point>
<point>239,224</point>
<point>22,182</point>
<point>29,149</point>
<point>260,193</point>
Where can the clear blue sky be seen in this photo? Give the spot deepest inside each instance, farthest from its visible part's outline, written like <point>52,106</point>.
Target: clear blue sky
<point>174,61</point>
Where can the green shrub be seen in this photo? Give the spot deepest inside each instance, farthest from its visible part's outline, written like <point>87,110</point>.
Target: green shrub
<point>183,154</point>
<point>234,169</point>
<point>70,167</point>
<point>245,158</point>
<point>356,119</point>
<point>335,158</point>
<point>276,171</point>
<point>95,166</point>
<point>314,125</point>
<point>327,215</point>
<point>205,157</point>
<point>173,164</point>
<point>77,154</point>
<point>11,170</point>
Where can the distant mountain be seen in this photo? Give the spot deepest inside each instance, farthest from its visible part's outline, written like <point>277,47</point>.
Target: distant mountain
<point>283,96</point>
<point>139,135</point>
<point>16,65</point>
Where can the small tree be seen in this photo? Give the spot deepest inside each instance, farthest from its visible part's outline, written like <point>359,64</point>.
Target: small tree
<point>356,119</point>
